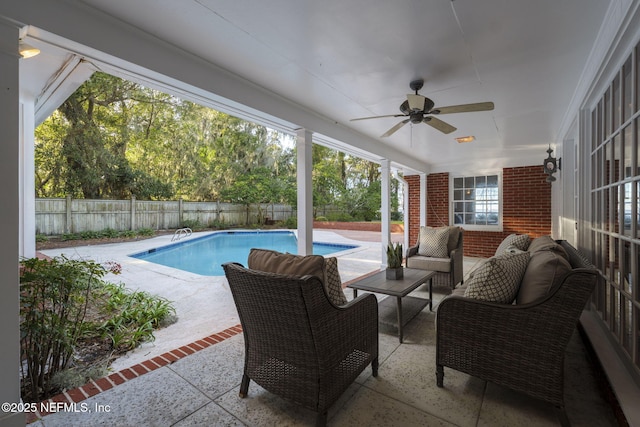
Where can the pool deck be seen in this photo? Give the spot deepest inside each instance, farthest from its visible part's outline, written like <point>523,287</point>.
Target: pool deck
<point>203,303</point>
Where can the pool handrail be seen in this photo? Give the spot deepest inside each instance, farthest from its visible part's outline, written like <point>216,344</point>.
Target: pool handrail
<point>180,233</point>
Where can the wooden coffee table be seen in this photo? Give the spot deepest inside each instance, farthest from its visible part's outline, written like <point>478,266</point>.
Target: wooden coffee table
<point>407,307</point>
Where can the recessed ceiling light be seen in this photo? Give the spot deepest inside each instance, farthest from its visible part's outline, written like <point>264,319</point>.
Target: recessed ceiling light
<point>462,139</point>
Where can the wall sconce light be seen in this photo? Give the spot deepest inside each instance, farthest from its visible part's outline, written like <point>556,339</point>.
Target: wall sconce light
<point>550,166</point>
<point>27,51</point>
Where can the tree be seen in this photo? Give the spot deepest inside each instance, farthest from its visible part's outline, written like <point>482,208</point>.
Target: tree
<point>49,171</point>
<point>116,139</point>
<point>328,185</point>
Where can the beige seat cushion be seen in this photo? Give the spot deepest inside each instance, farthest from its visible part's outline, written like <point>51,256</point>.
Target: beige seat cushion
<point>546,268</point>
<point>442,265</point>
<point>433,242</point>
<point>498,279</point>
<point>297,265</point>
<point>460,290</point>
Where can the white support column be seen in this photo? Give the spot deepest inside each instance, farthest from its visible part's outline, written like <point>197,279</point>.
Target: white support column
<point>27,229</point>
<point>10,220</point>
<point>385,209</point>
<point>305,192</point>
<point>423,199</point>
<point>405,210</point>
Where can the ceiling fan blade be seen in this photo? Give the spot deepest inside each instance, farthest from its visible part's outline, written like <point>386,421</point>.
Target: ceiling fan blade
<point>439,125</point>
<point>377,117</point>
<point>464,108</point>
<point>395,128</point>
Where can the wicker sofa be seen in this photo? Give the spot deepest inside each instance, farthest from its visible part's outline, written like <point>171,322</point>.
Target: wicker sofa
<point>448,264</point>
<point>520,345</point>
<point>299,344</point>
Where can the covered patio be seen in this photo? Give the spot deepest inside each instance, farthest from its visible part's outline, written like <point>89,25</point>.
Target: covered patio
<point>162,382</point>
<point>403,394</point>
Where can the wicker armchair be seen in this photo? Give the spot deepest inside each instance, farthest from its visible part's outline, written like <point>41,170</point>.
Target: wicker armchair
<point>448,270</point>
<point>298,344</point>
<point>518,346</point>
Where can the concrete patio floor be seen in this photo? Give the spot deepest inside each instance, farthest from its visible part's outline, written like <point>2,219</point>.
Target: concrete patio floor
<point>200,387</point>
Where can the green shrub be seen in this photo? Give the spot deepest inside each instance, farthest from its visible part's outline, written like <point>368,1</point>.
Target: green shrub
<point>70,236</point>
<point>41,238</point>
<point>131,316</point>
<point>90,235</point>
<point>145,231</point>
<point>109,233</point>
<point>193,224</point>
<point>218,224</point>
<point>65,303</point>
<point>340,217</point>
<point>291,223</point>
<point>54,295</point>
<point>322,218</point>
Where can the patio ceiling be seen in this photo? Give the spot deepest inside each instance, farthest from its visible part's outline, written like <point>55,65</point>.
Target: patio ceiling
<point>338,60</point>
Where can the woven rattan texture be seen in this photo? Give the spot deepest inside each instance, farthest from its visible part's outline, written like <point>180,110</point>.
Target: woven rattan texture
<point>518,346</point>
<point>297,344</point>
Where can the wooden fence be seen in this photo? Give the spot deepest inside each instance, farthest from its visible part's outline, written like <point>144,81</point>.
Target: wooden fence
<point>61,216</point>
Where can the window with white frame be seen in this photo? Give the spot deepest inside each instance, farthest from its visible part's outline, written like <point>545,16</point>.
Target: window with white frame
<point>476,202</point>
<point>615,207</point>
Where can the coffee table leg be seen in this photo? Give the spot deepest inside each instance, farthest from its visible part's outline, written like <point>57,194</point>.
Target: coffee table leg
<point>400,336</point>
<point>355,293</point>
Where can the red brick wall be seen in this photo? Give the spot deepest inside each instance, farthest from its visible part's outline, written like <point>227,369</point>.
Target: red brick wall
<point>437,200</point>
<point>526,208</point>
<point>414,207</point>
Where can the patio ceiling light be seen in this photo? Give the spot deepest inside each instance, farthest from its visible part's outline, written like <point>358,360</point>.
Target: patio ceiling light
<point>462,139</point>
<point>28,51</point>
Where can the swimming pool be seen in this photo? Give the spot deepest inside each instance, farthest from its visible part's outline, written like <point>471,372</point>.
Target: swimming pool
<point>205,255</point>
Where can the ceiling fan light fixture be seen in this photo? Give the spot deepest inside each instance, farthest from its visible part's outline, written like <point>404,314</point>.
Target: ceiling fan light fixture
<point>463,139</point>
<point>419,109</point>
<point>27,51</point>
<point>416,102</point>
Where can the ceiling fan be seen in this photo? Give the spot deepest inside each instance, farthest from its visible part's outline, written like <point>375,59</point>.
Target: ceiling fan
<point>420,109</point>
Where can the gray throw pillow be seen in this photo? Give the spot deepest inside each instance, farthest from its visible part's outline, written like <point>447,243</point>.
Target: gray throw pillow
<point>545,269</point>
<point>333,283</point>
<point>434,242</point>
<point>281,263</point>
<point>326,269</point>
<point>546,243</point>
<point>498,279</point>
<point>519,241</point>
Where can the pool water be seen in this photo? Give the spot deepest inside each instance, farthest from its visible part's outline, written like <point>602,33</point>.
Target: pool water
<point>205,255</point>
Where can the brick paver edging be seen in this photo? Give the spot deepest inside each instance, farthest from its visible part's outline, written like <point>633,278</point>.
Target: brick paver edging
<point>94,387</point>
